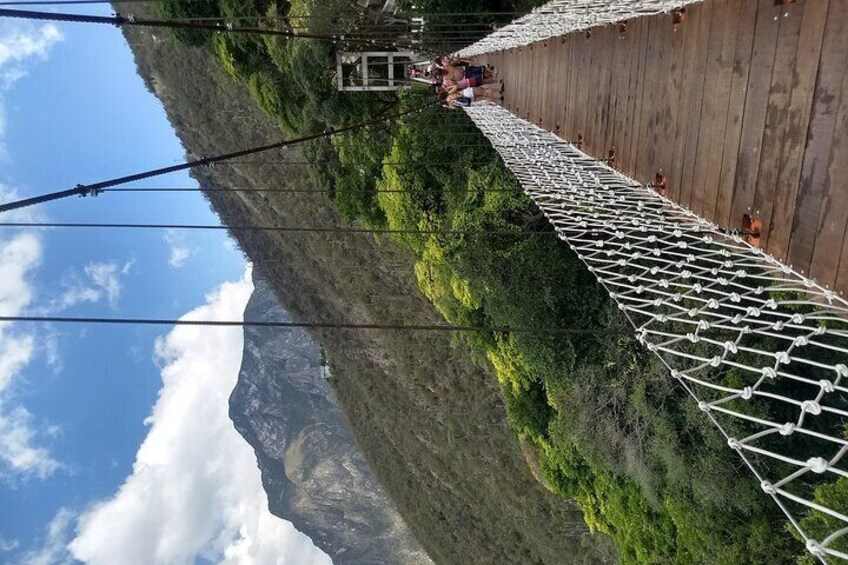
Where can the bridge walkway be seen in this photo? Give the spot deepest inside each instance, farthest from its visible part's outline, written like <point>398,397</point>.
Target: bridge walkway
<point>742,106</point>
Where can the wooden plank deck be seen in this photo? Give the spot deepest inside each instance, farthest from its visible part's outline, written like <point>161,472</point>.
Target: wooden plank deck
<point>743,107</point>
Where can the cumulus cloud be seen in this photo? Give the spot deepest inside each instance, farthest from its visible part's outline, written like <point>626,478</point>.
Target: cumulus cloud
<point>21,43</point>
<point>180,252</point>
<point>195,491</point>
<point>53,550</point>
<point>19,452</point>
<point>97,281</point>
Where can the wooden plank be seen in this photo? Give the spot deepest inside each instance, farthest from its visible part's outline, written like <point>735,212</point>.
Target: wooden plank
<point>610,40</point>
<point>582,86</point>
<point>625,153</point>
<point>797,123</point>
<point>560,78</point>
<point>756,109</point>
<point>783,76</point>
<point>826,101</point>
<point>601,61</point>
<point>668,106</point>
<point>552,92</point>
<point>575,73</point>
<point>735,110</point>
<point>641,145</point>
<point>829,243</point>
<point>829,248</point>
<point>722,44</point>
<point>634,37</point>
<point>675,175</point>
<point>660,46</point>
<point>691,184</point>
<point>619,90</point>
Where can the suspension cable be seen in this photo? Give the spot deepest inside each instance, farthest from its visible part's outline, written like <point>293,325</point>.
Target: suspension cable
<point>292,190</point>
<point>132,21</point>
<point>96,188</point>
<point>281,229</point>
<point>311,325</point>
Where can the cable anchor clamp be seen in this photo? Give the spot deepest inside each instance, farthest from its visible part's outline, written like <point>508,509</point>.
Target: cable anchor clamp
<point>88,191</point>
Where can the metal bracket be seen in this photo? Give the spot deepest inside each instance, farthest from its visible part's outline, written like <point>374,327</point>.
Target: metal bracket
<point>678,16</point>
<point>660,183</point>
<point>752,228</point>
<point>622,28</point>
<point>87,191</point>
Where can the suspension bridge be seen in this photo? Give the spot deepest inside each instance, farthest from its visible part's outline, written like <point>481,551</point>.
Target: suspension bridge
<point>703,183</point>
<point>694,156</point>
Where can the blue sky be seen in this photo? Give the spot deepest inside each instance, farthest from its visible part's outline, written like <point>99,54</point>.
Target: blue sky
<point>73,400</point>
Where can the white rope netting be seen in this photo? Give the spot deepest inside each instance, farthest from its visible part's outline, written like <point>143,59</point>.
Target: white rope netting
<point>565,16</point>
<point>761,348</point>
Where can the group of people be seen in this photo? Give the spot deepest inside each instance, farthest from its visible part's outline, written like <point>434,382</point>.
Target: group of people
<point>459,83</point>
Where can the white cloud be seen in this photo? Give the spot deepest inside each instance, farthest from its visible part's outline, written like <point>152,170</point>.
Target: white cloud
<point>195,490</point>
<point>19,452</point>
<point>7,545</point>
<point>20,44</point>
<point>97,282</point>
<point>53,550</point>
<point>180,252</point>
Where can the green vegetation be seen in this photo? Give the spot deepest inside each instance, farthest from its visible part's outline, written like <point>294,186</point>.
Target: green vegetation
<point>606,424</point>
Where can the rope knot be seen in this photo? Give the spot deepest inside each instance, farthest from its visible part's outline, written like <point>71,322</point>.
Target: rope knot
<point>730,346</point>
<point>841,370</point>
<point>754,312</point>
<point>703,406</point>
<point>715,361</point>
<point>815,548</point>
<point>801,340</point>
<point>747,393</point>
<point>703,325</point>
<point>734,297</point>
<point>817,465</point>
<point>798,318</point>
<point>812,407</point>
<point>767,487</point>
<point>787,429</point>
<point>826,385</point>
<point>733,443</point>
<point>782,357</point>
<point>693,338</point>
<point>769,373</point>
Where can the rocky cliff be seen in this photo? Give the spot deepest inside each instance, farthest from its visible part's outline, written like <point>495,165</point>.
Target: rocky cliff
<point>312,469</point>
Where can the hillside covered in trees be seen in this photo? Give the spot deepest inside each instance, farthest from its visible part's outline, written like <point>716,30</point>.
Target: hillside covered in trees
<point>428,419</point>
<point>598,420</point>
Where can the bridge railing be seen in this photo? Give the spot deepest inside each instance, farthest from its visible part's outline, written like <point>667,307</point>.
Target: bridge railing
<point>560,17</point>
<point>761,348</point>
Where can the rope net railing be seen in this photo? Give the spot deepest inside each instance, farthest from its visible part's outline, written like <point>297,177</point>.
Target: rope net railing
<point>560,17</point>
<point>761,348</point>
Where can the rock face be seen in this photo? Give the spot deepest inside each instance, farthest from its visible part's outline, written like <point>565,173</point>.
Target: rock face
<point>312,470</point>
